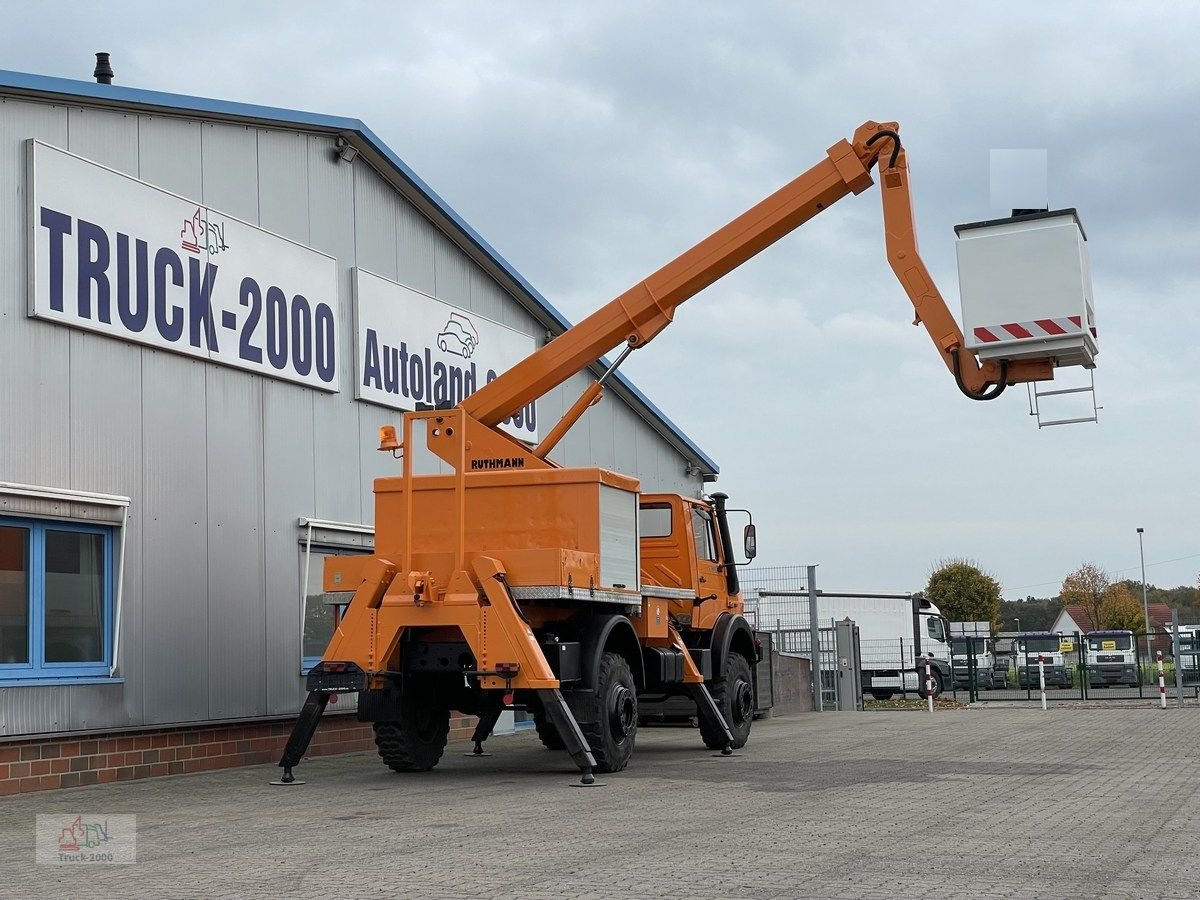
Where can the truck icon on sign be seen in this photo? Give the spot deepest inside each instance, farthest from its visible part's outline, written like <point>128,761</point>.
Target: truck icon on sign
<point>458,336</point>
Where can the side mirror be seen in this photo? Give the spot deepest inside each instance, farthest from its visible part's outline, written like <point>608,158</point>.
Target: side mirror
<point>750,542</point>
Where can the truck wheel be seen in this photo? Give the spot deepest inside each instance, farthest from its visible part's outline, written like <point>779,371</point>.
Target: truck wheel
<point>614,727</point>
<point>415,741</point>
<point>882,695</point>
<point>546,731</point>
<point>734,697</point>
<point>936,676</point>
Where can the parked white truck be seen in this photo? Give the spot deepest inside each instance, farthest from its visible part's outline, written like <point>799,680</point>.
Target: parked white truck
<point>972,645</point>
<point>1028,647</point>
<point>897,633</point>
<point>1111,658</point>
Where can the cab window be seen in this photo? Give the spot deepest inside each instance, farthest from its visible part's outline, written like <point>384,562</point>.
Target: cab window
<point>933,626</point>
<point>654,521</point>
<point>702,533</point>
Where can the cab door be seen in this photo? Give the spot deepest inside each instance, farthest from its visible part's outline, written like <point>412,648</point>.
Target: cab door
<point>705,546</point>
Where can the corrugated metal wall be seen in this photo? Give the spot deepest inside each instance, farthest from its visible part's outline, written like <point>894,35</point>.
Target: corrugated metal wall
<point>220,464</point>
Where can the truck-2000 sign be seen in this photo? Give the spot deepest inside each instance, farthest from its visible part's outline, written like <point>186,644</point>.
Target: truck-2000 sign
<point>118,256</point>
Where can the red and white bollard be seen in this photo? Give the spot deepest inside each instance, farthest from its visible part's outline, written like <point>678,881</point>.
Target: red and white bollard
<point>1162,685</point>
<point>1042,678</point>
<point>928,684</point>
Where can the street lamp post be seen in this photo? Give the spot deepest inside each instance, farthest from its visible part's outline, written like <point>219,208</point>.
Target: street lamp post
<point>1017,619</point>
<point>1145,605</point>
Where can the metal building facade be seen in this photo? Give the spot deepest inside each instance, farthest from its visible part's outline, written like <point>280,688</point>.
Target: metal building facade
<point>220,465</point>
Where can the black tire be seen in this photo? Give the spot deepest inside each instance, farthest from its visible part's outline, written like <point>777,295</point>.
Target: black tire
<point>614,730</point>
<point>882,695</point>
<point>734,696</point>
<point>415,741</point>
<point>546,731</point>
<point>935,675</point>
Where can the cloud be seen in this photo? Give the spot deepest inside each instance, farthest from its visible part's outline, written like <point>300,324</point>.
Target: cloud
<point>591,144</point>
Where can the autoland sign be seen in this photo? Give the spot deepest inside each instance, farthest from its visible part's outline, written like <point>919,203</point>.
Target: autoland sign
<point>414,349</point>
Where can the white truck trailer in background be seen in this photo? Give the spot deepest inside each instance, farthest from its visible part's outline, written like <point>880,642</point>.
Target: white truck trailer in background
<point>897,632</point>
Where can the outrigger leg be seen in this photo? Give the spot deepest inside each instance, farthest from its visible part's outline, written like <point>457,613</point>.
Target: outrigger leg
<point>488,716</point>
<point>302,734</point>
<point>707,710</point>
<point>568,729</point>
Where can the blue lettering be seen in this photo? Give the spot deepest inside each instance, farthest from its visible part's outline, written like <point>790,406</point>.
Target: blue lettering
<point>277,322</point>
<point>402,360</point>
<point>416,378</point>
<point>302,335</point>
<point>391,369</point>
<point>441,385</point>
<point>371,361</point>
<point>58,225</point>
<point>132,317</point>
<point>249,294</point>
<point>200,316</point>
<point>91,270</point>
<point>170,327</point>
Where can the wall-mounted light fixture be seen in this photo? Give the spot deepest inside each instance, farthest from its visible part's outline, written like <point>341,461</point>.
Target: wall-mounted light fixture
<point>344,150</point>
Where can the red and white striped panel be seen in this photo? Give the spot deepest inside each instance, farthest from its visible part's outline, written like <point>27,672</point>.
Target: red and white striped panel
<point>1035,330</point>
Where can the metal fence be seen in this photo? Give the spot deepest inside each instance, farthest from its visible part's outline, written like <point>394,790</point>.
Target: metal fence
<point>1076,667</point>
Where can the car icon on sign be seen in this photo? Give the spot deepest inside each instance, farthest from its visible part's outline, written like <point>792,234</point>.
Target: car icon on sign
<point>458,336</point>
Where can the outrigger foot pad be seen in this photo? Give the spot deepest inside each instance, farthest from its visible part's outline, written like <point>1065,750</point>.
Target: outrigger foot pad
<point>477,752</point>
<point>287,779</point>
<point>587,779</point>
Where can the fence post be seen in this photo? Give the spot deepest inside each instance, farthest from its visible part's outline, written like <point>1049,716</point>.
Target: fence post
<point>814,638</point>
<point>1162,684</point>
<point>1175,648</point>
<point>928,684</point>
<point>903,680</point>
<point>1081,668</point>
<point>1042,678</point>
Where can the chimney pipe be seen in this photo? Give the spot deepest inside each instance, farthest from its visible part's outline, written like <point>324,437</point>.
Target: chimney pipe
<point>104,72</point>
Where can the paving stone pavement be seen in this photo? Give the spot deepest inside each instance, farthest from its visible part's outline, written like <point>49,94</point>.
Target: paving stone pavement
<point>974,803</point>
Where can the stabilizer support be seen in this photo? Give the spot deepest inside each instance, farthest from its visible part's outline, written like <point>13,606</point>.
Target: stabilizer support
<point>568,729</point>
<point>302,733</point>
<point>488,717</point>
<point>707,710</point>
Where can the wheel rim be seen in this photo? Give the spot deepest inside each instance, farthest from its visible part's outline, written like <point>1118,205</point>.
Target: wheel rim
<point>743,702</point>
<point>622,712</point>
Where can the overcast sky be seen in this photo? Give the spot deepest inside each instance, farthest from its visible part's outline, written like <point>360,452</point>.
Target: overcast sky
<point>590,143</point>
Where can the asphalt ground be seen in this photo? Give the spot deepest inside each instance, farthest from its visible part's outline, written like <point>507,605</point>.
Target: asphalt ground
<point>993,802</point>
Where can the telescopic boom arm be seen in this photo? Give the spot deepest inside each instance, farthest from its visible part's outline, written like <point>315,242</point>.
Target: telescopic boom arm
<point>640,313</point>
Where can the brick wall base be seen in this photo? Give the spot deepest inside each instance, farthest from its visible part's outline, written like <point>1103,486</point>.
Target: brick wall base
<point>46,764</point>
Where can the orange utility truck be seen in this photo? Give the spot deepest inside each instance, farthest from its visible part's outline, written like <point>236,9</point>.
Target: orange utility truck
<point>513,582</point>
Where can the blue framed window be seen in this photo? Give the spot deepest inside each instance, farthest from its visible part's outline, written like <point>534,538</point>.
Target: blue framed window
<point>56,600</point>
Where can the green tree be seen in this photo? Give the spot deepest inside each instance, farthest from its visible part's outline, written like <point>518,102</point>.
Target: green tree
<point>1122,610</point>
<point>964,592</point>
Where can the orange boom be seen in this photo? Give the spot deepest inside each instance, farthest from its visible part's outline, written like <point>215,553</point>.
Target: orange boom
<point>514,582</point>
